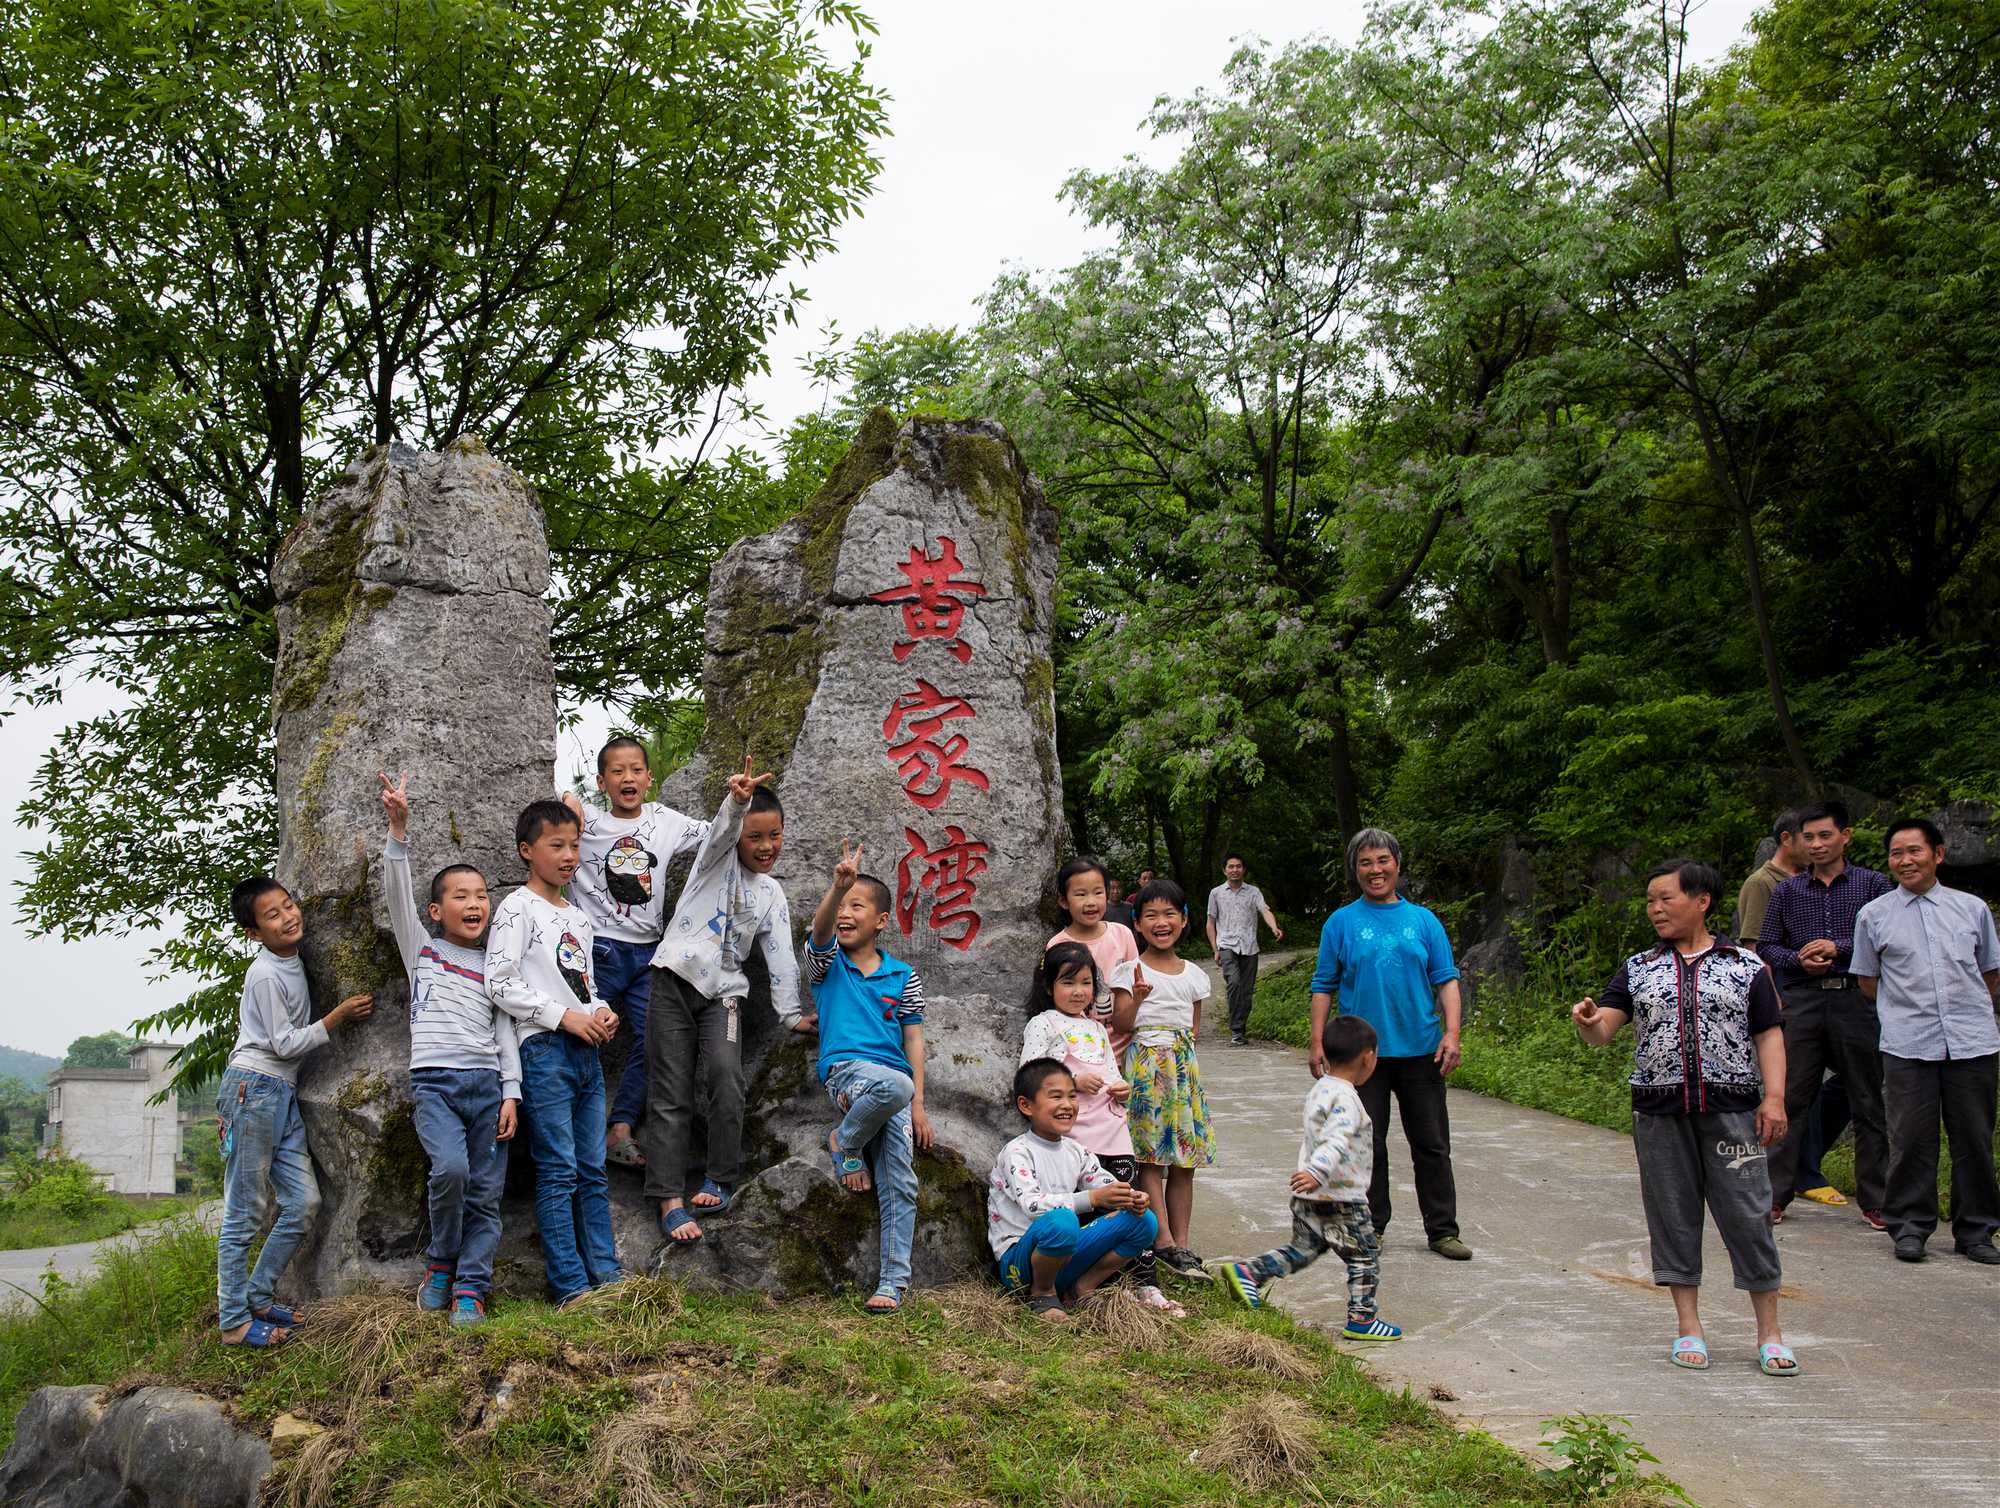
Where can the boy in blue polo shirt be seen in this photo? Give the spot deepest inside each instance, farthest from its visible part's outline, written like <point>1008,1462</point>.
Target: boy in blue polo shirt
<point>871,1059</point>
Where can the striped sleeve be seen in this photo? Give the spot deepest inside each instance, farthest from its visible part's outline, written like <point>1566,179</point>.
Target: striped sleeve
<point>911,1011</point>
<point>819,963</point>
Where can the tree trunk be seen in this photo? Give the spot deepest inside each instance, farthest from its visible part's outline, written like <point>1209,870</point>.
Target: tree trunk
<point>1346,799</point>
<point>1211,841</point>
<point>1767,646</point>
<point>1177,854</point>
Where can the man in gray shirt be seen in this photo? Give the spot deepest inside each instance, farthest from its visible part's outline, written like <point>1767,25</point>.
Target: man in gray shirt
<point>1929,957</point>
<point>1233,909</point>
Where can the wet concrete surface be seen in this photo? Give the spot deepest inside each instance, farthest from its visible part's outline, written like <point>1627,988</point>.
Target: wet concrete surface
<point>1898,1396</point>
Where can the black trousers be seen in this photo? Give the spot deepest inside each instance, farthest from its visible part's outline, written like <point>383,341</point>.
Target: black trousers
<point>1419,1091</point>
<point>694,1063</point>
<point>1834,1029</point>
<point>1919,1096</point>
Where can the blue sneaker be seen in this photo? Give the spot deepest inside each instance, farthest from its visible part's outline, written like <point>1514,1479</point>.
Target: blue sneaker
<point>467,1308</point>
<point>1241,1281</point>
<point>1375,1329</point>
<point>436,1292</point>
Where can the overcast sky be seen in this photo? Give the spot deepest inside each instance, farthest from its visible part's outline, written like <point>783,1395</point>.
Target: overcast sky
<point>991,109</point>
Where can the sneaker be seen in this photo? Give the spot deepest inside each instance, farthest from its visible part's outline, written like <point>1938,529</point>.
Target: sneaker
<point>1452,1249</point>
<point>1239,1040</point>
<point>1241,1281</point>
<point>1827,1195</point>
<point>1183,1263</point>
<point>435,1294</point>
<point>467,1308</point>
<point>1375,1329</point>
<point>1983,1252</point>
<point>1874,1218</point>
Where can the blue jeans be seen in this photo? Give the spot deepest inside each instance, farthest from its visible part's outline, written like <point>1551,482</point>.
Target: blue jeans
<point>625,983</point>
<point>457,1112</point>
<point>263,1151</point>
<point>876,1128</point>
<point>1059,1233</point>
<point>562,1097</point>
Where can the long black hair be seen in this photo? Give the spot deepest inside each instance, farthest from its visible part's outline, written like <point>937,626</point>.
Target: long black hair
<point>1061,959</point>
<point>1083,863</point>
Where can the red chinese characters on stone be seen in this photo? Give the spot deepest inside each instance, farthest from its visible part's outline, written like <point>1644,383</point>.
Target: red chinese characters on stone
<point>929,767</point>
<point>947,871</point>
<point>932,608</point>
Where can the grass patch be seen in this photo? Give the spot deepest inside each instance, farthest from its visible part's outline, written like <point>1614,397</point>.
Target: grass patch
<point>24,1228</point>
<point>650,1395</point>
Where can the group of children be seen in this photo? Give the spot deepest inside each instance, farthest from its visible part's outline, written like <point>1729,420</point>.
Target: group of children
<point>509,1006</point>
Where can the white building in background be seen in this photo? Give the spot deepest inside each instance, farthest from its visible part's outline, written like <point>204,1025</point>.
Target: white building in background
<point>105,1117</point>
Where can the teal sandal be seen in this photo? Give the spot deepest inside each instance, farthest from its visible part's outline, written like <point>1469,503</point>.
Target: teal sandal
<point>1691,1352</point>
<point>1775,1359</point>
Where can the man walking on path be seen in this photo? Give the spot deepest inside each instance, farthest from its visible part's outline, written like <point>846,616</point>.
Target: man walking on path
<point>1390,962</point>
<point>1827,1117</point>
<point>1928,956</point>
<point>1233,910</point>
<point>1807,937</point>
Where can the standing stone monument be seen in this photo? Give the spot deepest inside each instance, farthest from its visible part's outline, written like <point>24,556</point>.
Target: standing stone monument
<point>412,636</point>
<point>887,653</point>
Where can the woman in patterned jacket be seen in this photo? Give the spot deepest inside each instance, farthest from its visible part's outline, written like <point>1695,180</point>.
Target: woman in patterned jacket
<point>1708,1097</point>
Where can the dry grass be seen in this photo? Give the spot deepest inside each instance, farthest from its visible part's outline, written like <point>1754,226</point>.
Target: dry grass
<point>641,1454</point>
<point>977,1308</point>
<point>307,1480</point>
<point>1269,1440</point>
<point>369,1335</point>
<point>1120,1318</point>
<point>1228,1346</point>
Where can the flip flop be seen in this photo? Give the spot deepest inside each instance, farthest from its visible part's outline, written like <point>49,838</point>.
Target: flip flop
<point>1691,1352</point>
<point>894,1297</point>
<point>259,1337</point>
<point>676,1219</point>
<point>1048,1307</point>
<point>845,1164</point>
<point>1775,1359</point>
<point>624,1154</point>
<point>722,1194</point>
<point>284,1316</point>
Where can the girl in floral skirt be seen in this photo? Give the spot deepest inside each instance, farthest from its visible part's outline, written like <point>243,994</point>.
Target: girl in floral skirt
<point>1167,1113</point>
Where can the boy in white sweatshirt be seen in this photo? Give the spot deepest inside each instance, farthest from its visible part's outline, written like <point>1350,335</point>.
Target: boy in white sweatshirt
<point>538,970</point>
<point>1042,1189</point>
<point>465,1067</point>
<point>1330,1188</point>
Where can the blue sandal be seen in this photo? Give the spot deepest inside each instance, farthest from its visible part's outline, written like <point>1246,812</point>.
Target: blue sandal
<point>674,1220</point>
<point>1775,1359</point>
<point>1691,1352</point>
<point>884,1291</point>
<point>721,1193</point>
<point>845,1163</point>
<point>258,1336</point>
<point>284,1316</point>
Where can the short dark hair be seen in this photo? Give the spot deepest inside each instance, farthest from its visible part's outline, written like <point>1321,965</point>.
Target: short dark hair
<point>1159,890</point>
<point>1694,878</point>
<point>622,741</point>
<point>438,879</point>
<point>1933,834</point>
<point>1787,826</point>
<point>1346,1038</point>
<point>1031,1075</point>
<point>1057,960</point>
<point>244,896</point>
<point>1820,811</point>
<point>764,799</point>
<point>1232,854</point>
<point>536,815</point>
<point>877,891</point>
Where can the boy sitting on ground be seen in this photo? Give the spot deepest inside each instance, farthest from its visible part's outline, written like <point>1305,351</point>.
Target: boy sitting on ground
<point>465,1067</point>
<point>1044,1185</point>
<point>1330,1188</point>
<point>538,966</point>
<point>257,1116</point>
<point>729,907</point>
<point>871,1059</point>
<point>626,851</point>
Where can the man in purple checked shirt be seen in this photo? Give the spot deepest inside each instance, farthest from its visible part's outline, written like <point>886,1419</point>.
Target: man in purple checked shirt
<point>1807,937</point>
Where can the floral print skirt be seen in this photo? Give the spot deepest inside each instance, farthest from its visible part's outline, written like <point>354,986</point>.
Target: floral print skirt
<point>1168,1114</point>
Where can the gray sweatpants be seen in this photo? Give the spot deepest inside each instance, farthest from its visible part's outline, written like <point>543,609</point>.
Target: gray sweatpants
<point>1710,1157</point>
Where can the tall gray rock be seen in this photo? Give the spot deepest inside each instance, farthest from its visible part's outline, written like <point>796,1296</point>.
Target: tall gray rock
<point>412,636</point>
<point>887,652</point>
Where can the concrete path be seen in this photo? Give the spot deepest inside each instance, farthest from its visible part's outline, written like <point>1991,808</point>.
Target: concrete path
<point>1898,1400</point>
<point>21,1271</point>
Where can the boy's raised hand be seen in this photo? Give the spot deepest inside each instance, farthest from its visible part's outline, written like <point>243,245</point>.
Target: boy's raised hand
<point>396,805</point>
<point>509,1119</point>
<point>847,868</point>
<point>742,786</point>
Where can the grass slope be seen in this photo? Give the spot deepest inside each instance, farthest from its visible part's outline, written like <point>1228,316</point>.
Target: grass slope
<point>24,1228</point>
<point>648,1395</point>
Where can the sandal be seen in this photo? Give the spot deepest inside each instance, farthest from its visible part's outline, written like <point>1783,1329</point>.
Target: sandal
<point>1047,1306</point>
<point>676,1220</point>
<point>1152,1298</point>
<point>846,1164</point>
<point>721,1196</point>
<point>874,1306</point>
<point>1691,1352</point>
<point>1775,1359</point>
<point>624,1154</point>
<point>261,1336</point>
<point>284,1316</point>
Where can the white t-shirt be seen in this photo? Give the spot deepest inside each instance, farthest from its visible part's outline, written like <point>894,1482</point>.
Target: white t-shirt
<point>538,962</point>
<point>620,881</point>
<point>1170,1007</point>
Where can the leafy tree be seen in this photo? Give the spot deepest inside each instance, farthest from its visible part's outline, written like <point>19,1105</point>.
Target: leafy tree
<point>240,242</point>
<point>104,1050</point>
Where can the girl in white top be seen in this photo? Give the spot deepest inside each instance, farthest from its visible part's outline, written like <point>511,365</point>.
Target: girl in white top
<point>1167,1113</point>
